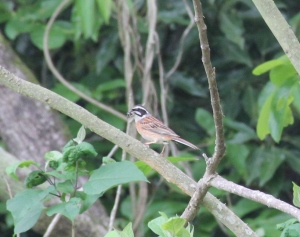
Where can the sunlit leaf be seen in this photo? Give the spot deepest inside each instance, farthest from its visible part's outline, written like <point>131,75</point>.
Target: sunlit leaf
<point>296,195</point>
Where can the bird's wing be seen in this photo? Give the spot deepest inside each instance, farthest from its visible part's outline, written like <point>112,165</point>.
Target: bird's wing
<point>154,125</point>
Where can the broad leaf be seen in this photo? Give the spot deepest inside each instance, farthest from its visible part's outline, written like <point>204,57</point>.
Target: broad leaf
<point>26,208</point>
<point>11,170</point>
<point>112,175</point>
<point>69,209</point>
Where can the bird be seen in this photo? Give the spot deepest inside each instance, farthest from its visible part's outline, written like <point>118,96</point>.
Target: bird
<point>153,130</point>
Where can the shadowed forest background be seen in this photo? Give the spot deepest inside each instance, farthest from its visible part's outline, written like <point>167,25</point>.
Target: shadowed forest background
<point>86,49</point>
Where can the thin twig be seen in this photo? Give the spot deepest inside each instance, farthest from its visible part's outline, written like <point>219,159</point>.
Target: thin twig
<point>182,40</point>
<point>254,195</point>
<point>212,163</point>
<point>57,74</point>
<point>112,151</point>
<point>52,225</point>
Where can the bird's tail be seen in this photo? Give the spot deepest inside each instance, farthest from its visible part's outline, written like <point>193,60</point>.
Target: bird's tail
<point>184,142</point>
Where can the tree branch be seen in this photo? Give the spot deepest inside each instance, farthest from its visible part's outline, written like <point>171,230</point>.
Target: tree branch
<point>255,195</point>
<point>212,163</point>
<point>280,29</point>
<point>170,172</point>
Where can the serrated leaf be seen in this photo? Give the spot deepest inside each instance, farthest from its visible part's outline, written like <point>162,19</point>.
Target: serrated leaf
<point>296,195</point>
<point>112,175</point>
<point>11,170</point>
<point>69,209</point>
<point>26,208</point>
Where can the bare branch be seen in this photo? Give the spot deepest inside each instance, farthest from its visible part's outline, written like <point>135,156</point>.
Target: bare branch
<point>212,163</point>
<point>182,39</point>
<point>57,74</point>
<point>255,195</point>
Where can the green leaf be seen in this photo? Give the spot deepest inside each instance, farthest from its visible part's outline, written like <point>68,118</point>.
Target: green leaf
<point>107,160</point>
<point>110,85</point>
<point>35,178</point>
<point>174,225</point>
<point>263,163</point>
<point>281,113</point>
<point>69,209</point>
<point>244,134</point>
<point>53,156</point>
<point>86,16</point>
<point>262,127</point>
<point>187,84</point>
<point>14,27</point>
<point>206,121</point>
<point>57,37</point>
<point>156,225</point>
<point>267,66</point>
<point>105,8</point>
<point>296,195</point>
<point>11,170</point>
<point>237,154</point>
<point>126,232</point>
<point>286,224</point>
<point>87,200</point>
<point>66,175</point>
<point>281,73</point>
<point>80,135</point>
<point>65,187</point>
<point>231,25</point>
<point>26,208</point>
<point>82,150</point>
<point>245,207</point>
<point>111,175</point>
<point>291,231</point>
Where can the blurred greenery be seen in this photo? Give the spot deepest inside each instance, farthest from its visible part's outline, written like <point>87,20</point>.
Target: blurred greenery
<point>86,49</point>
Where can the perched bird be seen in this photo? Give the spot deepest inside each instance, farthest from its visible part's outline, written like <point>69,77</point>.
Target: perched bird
<point>153,130</point>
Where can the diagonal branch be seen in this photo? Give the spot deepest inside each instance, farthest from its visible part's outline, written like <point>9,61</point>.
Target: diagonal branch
<point>170,172</point>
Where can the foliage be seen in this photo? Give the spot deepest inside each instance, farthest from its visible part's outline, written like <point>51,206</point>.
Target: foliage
<point>89,54</point>
<point>66,168</point>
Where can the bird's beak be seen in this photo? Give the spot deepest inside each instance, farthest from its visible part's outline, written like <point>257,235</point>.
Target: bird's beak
<point>129,113</point>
